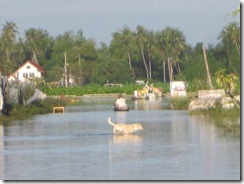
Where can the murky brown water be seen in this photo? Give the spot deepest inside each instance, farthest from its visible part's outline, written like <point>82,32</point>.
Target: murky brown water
<point>79,145</point>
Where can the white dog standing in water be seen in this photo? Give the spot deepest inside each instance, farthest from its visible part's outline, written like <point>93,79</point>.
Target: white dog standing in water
<point>125,128</point>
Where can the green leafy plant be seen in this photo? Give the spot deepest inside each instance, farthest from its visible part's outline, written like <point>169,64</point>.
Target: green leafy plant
<point>226,81</point>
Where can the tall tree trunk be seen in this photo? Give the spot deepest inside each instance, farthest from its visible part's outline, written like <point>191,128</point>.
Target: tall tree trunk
<point>171,71</point>
<point>150,65</point>
<point>168,68</point>
<point>129,60</point>
<point>207,69</point>
<point>81,79</point>
<point>237,47</point>
<point>150,68</point>
<point>34,56</point>
<point>65,71</point>
<point>7,54</point>
<point>178,67</point>
<point>164,71</point>
<point>144,61</point>
<point>130,65</point>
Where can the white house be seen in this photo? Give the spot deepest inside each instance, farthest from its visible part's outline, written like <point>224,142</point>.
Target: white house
<point>27,71</point>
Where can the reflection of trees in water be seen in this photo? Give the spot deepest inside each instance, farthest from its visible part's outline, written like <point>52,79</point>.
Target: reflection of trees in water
<point>1,155</point>
<point>226,125</point>
<point>206,134</point>
<point>205,129</point>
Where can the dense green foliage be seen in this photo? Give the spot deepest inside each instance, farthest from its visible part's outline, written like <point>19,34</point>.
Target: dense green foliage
<point>162,55</point>
<point>98,89</point>
<point>18,111</point>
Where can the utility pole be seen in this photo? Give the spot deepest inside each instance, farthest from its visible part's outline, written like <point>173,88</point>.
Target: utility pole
<point>65,71</point>
<point>207,69</point>
<point>80,71</point>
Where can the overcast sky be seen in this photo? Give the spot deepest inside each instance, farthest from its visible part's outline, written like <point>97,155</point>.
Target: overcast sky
<point>200,21</point>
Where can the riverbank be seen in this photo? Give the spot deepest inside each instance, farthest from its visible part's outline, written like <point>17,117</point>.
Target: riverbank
<point>19,112</point>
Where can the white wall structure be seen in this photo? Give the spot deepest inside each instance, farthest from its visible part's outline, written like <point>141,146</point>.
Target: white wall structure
<point>27,71</point>
<point>177,89</point>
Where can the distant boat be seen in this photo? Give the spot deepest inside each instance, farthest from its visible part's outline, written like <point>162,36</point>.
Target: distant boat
<point>121,109</point>
<point>147,92</point>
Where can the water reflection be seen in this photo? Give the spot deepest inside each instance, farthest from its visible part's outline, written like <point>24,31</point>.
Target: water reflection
<point>124,155</point>
<point>121,117</point>
<point>126,139</point>
<point>151,104</point>
<point>79,145</point>
<point>215,149</point>
<point>1,152</point>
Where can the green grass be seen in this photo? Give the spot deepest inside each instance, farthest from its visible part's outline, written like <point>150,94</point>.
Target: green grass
<point>97,89</point>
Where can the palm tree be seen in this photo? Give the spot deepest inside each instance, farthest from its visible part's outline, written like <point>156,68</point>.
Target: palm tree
<point>159,45</point>
<point>8,38</point>
<point>171,43</point>
<point>149,48</point>
<point>127,39</point>
<point>230,38</point>
<point>84,49</point>
<point>141,39</point>
<point>37,41</point>
<point>231,35</point>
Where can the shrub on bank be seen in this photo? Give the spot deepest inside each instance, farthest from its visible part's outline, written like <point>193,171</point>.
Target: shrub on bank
<point>17,111</point>
<point>181,103</point>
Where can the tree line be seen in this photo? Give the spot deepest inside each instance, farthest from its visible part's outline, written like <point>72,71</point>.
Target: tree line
<point>144,54</point>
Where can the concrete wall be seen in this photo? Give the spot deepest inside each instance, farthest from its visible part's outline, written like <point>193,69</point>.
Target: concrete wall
<point>211,94</point>
<point>207,98</point>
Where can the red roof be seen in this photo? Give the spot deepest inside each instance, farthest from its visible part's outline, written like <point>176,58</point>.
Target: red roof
<point>33,64</point>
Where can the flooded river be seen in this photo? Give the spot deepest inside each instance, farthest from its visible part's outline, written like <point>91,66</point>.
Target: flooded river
<point>79,145</point>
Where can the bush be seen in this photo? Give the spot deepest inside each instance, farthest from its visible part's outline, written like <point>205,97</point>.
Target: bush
<point>180,103</point>
<point>17,111</point>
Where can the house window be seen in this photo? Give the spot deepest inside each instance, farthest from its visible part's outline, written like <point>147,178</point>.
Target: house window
<point>28,66</point>
<point>25,75</point>
<point>31,74</point>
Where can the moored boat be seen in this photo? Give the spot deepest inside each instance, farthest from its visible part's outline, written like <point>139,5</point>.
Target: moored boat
<point>121,109</point>
<point>147,92</point>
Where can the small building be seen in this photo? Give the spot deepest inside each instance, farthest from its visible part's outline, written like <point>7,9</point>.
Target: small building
<point>178,89</point>
<point>27,71</point>
<point>140,82</point>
